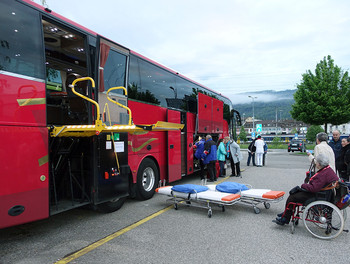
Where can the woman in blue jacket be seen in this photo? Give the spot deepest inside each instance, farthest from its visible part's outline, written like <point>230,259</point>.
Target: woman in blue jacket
<point>221,156</point>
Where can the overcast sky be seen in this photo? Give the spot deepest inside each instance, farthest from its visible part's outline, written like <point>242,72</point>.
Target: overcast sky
<point>231,46</point>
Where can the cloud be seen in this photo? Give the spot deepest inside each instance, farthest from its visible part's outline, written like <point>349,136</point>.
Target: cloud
<point>230,46</point>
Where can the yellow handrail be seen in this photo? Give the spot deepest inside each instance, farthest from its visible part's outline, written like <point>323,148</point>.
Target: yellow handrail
<point>98,121</point>
<point>115,102</point>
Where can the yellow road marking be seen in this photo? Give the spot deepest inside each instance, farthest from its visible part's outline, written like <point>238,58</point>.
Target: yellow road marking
<point>110,237</point>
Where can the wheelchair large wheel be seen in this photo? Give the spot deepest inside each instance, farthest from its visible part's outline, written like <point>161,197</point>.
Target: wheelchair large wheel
<point>323,220</point>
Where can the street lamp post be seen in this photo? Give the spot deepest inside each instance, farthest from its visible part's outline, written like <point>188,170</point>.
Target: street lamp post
<point>253,97</point>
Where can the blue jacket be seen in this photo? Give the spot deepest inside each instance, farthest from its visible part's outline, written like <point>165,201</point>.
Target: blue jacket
<point>210,147</point>
<point>200,148</point>
<point>221,153</point>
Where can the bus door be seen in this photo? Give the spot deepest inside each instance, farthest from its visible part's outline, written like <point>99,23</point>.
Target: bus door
<point>111,176</point>
<point>174,147</point>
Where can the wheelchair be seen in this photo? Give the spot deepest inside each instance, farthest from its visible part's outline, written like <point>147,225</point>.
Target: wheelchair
<point>324,215</point>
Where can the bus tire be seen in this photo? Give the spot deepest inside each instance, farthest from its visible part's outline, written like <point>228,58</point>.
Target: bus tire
<point>111,206</point>
<point>147,179</point>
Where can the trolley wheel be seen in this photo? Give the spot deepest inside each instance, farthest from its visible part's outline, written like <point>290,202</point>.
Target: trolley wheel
<point>175,206</point>
<point>267,205</point>
<point>256,210</point>
<point>323,220</point>
<point>210,213</point>
<point>188,202</point>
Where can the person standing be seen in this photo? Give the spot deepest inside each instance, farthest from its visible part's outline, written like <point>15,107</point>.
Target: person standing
<point>347,161</point>
<point>343,161</point>
<point>210,157</point>
<point>236,156</point>
<point>259,144</point>
<point>221,156</point>
<point>251,153</point>
<point>335,144</point>
<point>265,152</point>
<point>199,145</point>
<point>323,147</point>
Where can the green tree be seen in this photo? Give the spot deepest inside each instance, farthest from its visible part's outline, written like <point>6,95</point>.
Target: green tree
<point>242,134</point>
<point>276,140</point>
<point>294,130</point>
<point>312,131</point>
<point>323,97</point>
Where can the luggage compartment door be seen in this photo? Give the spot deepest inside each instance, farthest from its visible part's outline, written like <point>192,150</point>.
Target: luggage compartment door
<point>174,148</point>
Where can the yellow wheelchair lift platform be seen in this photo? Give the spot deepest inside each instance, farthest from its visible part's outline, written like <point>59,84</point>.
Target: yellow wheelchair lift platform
<point>100,127</point>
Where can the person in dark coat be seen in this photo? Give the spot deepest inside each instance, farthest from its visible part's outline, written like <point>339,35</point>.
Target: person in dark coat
<point>251,153</point>
<point>210,156</point>
<point>346,173</point>
<point>324,176</point>
<point>335,144</point>
<point>340,163</point>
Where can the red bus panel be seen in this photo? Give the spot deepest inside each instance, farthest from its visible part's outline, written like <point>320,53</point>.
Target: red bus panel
<point>217,116</point>
<point>22,101</point>
<point>174,148</point>
<point>24,181</point>
<point>145,143</point>
<point>204,113</point>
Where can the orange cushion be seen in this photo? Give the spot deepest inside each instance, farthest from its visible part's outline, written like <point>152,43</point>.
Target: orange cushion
<point>162,187</point>
<point>273,194</point>
<point>230,197</point>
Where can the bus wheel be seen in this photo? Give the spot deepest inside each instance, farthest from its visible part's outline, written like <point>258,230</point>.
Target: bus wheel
<point>111,206</point>
<point>147,179</point>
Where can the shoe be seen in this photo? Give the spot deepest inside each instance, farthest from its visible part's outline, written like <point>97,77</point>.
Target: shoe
<point>222,176</point>
<point>280,221</point>
<point>210,180</point>
<point>232,175</point>
<point>280,215</point>
<point>215,179</point>
<point>239,175</point>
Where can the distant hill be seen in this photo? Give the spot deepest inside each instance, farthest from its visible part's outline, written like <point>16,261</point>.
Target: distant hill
<point>266,105</point>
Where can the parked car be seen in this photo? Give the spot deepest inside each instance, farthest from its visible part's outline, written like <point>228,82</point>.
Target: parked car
<point>296,145</point>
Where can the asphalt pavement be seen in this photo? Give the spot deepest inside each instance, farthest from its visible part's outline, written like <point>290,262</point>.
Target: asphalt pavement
<point>153,232</point>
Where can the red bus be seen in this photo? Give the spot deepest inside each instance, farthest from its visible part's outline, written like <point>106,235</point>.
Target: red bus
<point>41,53</point>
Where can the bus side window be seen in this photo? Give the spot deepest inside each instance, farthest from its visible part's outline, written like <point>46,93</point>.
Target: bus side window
<point>21,43</point>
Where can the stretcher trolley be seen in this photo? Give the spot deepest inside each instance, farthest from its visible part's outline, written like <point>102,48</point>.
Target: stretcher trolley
<point>198,196</point>
<point>249,195</point>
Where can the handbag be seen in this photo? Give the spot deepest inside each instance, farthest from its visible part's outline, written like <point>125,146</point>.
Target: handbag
<point>311,172</point>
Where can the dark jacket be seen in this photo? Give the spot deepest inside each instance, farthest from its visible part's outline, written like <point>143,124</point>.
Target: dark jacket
<point>336,146</point>
<point>320,180</point>
<point>340,163</point>
<point>347,161</point>
<point>210,148</point>
<point>251,146</point>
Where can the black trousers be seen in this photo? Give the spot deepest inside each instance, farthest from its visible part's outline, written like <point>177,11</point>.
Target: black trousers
<point>299,197</point>
<point>211,170</point>
<point>201,164</point>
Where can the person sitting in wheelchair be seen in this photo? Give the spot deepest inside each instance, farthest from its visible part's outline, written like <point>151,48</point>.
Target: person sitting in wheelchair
<point>324,176</point>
